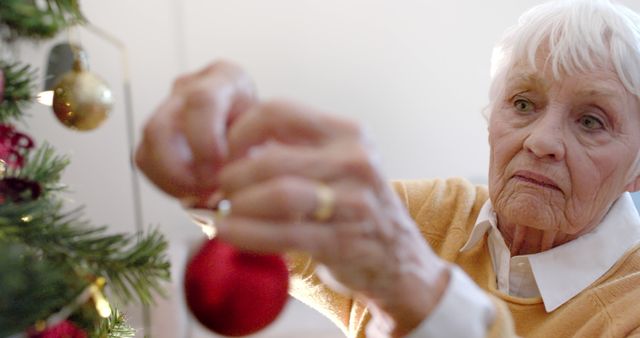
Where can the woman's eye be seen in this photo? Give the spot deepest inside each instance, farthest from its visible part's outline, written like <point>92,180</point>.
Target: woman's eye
<point>590,122</point>
<point>523,105</point>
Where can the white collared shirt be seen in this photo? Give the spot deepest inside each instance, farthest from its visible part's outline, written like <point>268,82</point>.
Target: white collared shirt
<point>556,275</point>
<point>560,273</point>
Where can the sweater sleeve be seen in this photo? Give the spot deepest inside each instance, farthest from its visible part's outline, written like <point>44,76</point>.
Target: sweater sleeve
<point>445,211</point>
<point>442,211</point>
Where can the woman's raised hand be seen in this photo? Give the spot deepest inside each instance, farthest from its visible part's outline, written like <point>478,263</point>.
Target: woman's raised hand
<point>185,141</point>
<point>297,179</point>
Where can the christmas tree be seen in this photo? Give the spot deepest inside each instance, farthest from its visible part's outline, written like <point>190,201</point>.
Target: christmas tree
<point>60,276</point>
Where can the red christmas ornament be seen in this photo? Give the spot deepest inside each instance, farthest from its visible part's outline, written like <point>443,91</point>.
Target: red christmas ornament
<point>232,292</point>
<point>64,329</point>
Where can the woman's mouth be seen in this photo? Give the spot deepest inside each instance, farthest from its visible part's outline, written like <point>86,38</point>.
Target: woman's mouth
<point>536,179</point>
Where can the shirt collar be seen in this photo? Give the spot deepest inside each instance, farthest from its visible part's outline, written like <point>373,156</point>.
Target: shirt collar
<point>566,270</point>
<point>484,222</point>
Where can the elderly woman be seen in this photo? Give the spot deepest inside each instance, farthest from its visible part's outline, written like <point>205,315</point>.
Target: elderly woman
<point>550,248</point>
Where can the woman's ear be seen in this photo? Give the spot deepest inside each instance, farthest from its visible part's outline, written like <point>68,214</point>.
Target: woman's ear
<point>634,185</point>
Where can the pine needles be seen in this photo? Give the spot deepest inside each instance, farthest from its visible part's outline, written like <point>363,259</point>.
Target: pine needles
<point>37,19</point>
<point>114,327</point>
<point>44,244</point>
<point>18,89</point>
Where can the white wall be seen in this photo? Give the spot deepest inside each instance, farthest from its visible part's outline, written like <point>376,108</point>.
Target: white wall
<point>416,72</point>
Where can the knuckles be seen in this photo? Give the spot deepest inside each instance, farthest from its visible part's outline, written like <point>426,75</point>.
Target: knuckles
<point>181,82</point>
<point>203,96</point>
<point>222,66</point>
<point>359,204</point>
<point>359,161</point>
<point>212,81</point>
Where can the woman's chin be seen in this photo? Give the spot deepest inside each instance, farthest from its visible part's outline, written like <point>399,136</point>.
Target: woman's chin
<point>527,209</point>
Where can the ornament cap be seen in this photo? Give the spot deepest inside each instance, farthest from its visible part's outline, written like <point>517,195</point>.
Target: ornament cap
<point>80,60</point>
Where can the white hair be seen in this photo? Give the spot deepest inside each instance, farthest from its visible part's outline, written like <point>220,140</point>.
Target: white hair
<point>579,35</point>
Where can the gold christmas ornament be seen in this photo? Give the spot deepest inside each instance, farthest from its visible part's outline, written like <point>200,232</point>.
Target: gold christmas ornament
<point>81,99</point>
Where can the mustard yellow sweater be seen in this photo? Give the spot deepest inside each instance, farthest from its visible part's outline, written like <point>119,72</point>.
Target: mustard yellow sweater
<point>446,211</point>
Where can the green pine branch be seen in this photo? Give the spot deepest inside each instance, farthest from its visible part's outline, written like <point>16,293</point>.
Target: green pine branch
<point>134,265</point>
<point>44,166</point>
<point>140,269</point>
<point>38,19</point>
<point>19,82</point>
<point>31,288</point>
<point>114,327</point>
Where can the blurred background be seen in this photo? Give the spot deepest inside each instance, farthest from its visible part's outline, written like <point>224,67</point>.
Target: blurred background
<point>415,72</point>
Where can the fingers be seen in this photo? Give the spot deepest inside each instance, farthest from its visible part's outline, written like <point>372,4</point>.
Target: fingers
<point>184,141</point>
<point>280,181</point>
<point>294,198</point>
<point>204,127</point>
<point>260,235</point>
<point>211,102</point>
<point>163,154</point>
<point>334,162</point>
<point>288,123</point>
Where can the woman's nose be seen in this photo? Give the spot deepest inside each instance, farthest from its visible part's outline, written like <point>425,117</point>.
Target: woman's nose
<point>545,139</point>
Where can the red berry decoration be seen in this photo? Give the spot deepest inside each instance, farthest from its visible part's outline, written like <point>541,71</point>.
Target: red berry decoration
<point>14,146</point>
<point>18,190</point>
<point>232,292</point>
<point>64,329</point>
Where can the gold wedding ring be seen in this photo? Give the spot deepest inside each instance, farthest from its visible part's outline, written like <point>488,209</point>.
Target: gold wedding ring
<point>325,204</point>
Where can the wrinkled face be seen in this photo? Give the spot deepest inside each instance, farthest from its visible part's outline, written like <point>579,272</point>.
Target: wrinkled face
<point>562,150</point>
